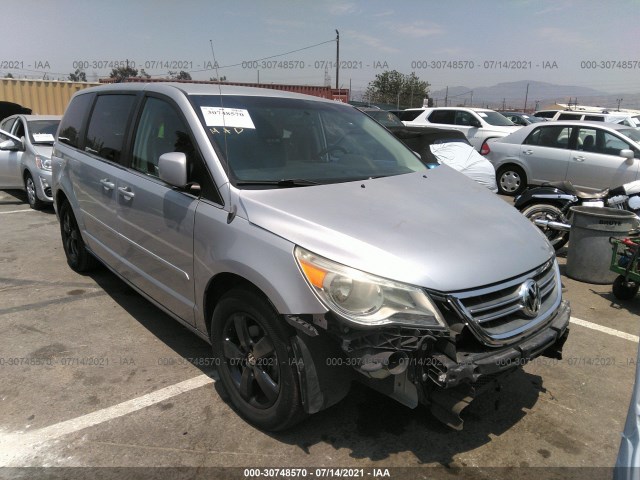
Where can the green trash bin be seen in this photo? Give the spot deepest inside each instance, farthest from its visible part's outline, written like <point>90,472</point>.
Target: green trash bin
<point>589,255</point>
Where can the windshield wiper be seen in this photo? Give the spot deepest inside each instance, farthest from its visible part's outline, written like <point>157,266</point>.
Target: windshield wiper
<point>283,183</point>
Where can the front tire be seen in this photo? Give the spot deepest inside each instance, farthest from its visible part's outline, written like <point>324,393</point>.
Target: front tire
<point>256,364</point>
<point>624,290</point>
<point>32,192</point>
<point>511,180</point>
<point>78,258</point>
<point>548,211</point>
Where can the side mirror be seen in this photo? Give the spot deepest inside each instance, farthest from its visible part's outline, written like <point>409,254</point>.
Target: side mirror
<point>172,168</point>
<point>475,123</point>
<point>11,146</point>
<point>627,154</point>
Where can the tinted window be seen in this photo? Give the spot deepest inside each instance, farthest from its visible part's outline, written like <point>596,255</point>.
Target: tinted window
<point>161,129</point>
<point>594,118</point>
<point>465,118</point>
<point>408,115</point>
<point>569,116</point>
<point>545,114</point>
<point>443,116</point>
<point>72,121</point>
<point>105,135</point>
<point>554,137</point>
<point>586,140</point>
<point>19,130</point>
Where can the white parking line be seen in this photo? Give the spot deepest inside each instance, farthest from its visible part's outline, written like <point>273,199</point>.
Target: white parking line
<point>18,211</point>
<point>607,330</point>
<point>14,442</point>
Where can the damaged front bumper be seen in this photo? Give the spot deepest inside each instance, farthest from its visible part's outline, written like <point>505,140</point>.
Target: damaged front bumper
<point>415,367</point>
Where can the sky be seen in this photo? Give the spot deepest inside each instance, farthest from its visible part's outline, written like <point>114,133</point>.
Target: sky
<point>591,43</point>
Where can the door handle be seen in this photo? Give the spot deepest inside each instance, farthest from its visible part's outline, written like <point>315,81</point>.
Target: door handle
<point>107,184</point>
<point>527,152</point>
<point>579,158</point>
<point>126,192</point>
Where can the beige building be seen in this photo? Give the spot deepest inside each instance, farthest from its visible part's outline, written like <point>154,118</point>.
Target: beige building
<point>43,97</point>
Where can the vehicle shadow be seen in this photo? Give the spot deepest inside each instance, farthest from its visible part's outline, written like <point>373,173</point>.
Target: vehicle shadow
<point>16,197</point>
<point>368,424</point>
<point>158,323</point>
<point>19,197</point>
<point>632,305</point>
<point>375,427</point>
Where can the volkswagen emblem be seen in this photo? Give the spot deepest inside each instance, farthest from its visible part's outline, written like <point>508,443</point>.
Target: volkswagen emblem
<point>529,294</point>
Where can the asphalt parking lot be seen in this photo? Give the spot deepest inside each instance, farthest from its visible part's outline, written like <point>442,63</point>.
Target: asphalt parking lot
<point>92,375</point>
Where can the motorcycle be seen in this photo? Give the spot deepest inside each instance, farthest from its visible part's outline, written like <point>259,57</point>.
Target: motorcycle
<point>548,205</point>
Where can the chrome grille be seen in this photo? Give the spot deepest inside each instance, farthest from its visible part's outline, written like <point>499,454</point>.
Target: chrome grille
<point>496,314</point>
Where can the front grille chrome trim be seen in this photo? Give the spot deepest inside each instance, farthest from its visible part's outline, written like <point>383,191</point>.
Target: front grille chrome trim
<point>489,311</point>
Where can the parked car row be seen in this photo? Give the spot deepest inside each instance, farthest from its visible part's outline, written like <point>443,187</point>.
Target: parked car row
<point>478,124</point>
<point>440,146</point>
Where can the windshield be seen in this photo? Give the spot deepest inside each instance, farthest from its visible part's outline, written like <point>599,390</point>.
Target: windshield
<point>495,118</point>
<point>632,133</point>
<point>292,142</point>
<point>43,131</point>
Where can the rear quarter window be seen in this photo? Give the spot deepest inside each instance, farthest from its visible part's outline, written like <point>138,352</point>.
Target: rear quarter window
<point>443,116</point>
<point>409,115</point>
<point>71,123</point>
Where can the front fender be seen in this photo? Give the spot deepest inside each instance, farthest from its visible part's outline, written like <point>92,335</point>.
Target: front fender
<point>543,194</point>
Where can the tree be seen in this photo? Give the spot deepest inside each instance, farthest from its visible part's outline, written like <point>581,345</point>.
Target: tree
<point>221,79</point>
<point>78,76</point>
<point>144,74</point>
<point>395,88</point>
<point>8,75</point>
<point>121,73</point>
<point>179,76</point>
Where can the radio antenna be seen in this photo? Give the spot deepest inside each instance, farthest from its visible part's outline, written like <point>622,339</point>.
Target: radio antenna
<point>225,164</point>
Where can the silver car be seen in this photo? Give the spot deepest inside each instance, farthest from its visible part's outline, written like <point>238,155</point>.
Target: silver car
<point>26,142</point>
<point>307,244</point>
<point>591,155</point>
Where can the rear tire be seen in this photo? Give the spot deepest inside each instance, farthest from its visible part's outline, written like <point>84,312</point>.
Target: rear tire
<point>624,290</point>
<point>548,211</point>
<point>32,192</point>
<point>255,360</point>
<point>511,180</point>
<point>78,258</point>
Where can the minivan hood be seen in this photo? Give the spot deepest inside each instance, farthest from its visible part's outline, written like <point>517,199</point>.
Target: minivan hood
<point>435,229</point>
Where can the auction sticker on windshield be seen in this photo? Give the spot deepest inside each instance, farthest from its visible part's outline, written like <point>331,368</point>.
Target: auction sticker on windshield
<point>43,137</point>
<point>227,117</point>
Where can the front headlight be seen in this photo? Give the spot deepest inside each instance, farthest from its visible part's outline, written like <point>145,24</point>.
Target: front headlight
<point>364,298</point>
<point>43,163</point>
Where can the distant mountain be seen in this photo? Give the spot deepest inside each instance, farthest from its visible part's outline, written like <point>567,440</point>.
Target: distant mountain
<point>512,94</point>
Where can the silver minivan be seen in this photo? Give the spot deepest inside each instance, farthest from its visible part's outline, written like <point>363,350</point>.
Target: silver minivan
<point>307,244</point>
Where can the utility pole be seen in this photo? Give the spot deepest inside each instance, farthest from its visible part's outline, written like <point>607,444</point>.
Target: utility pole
<point>526,96</point>
<point>618,100</point>
<point>471,101</point>
<point>337,57</point>
<point>503,103</point>
<point>446,95</point>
